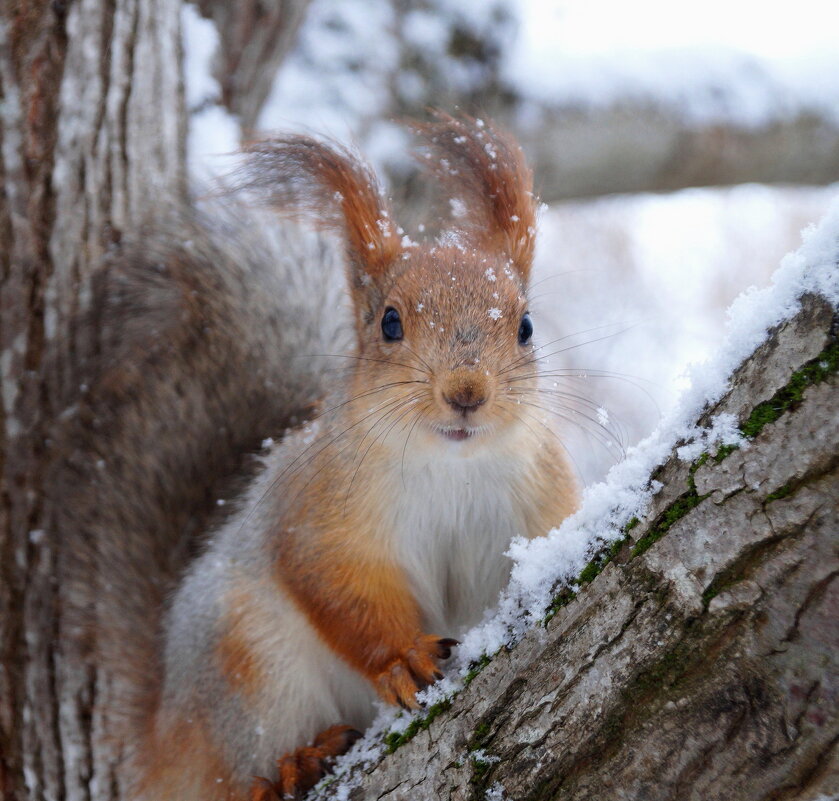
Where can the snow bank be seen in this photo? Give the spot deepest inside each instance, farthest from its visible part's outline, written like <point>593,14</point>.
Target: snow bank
<point>625,493</point>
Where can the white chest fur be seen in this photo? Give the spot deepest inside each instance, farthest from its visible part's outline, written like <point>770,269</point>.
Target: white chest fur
<point>451,520</point>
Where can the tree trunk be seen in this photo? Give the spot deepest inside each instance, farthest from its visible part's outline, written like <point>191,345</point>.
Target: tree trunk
<point>255,37</point>
<point>703,661</point>
<point>92,140</point>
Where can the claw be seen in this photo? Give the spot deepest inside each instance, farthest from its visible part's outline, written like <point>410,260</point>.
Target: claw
<point>301,770</point>
<point>445,646</point>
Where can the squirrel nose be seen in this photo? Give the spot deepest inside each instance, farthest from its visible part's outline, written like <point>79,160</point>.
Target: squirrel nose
<point>465,399</point>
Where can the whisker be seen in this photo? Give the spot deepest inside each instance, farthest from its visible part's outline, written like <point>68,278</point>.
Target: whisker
<point>598,435</point>
<point>364,395</point>
<point>515,363</point>
<point>418,358</point>
<point>620,432</point>
<point>291,465</point>
<point>554,434</point>
<point>562,375</point>
<point>364,455</point>
<point>419,415</point>
<point>382,417</point>
<point>362,359</point>
<point>554,276</point>
<point>582,344</point>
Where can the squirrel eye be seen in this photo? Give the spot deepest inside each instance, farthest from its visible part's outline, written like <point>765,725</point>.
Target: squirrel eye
<point>525,329</point>
<point>391,325</point>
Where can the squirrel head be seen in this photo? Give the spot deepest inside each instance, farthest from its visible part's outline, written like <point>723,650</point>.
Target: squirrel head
<point>442,327</point>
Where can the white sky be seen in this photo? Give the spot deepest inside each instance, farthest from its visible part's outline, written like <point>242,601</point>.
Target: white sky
<point>770,30</point>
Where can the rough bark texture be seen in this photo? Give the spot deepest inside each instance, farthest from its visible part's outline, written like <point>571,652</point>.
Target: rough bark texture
<point>703,661</point>
<point>92,138</point>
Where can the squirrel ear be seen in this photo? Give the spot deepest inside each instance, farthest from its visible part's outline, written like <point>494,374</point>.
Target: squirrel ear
<point>484,169</point>
<point>330,188</point>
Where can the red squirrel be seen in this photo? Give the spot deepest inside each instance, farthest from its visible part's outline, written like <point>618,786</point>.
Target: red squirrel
<point>375,535</point>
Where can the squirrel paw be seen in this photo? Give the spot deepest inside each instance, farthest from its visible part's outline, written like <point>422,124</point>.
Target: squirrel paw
<point>414,670</point>
<point>302,769</point>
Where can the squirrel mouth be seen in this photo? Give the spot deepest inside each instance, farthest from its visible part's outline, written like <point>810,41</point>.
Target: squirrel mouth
<point>456,434</point>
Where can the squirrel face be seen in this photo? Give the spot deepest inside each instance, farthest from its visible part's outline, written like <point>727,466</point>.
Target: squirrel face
<point>442,332</point>
<point>455,320</point>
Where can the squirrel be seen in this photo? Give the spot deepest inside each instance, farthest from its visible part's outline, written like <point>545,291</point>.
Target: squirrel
<point>374,534</point>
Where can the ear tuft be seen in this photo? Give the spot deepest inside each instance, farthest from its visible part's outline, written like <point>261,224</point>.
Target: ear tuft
<point>331,188</point>
<point>485,170</point>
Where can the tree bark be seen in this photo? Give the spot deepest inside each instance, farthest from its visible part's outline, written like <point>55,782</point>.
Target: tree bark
<point>92,140</point>
<point>703,661</point>
<point>255,37</point>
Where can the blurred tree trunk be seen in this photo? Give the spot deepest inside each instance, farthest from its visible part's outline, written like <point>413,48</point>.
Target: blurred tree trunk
<point>702,663</point>
<point>644,147</point>
<point>92,140</point>
<point>255,36</point>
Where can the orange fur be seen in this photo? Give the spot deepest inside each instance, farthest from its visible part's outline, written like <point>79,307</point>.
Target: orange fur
<point>301,769</point>
<point>362,607</point>
<point>168,758</point>
<point>236,658</point>
<point>333,190</point>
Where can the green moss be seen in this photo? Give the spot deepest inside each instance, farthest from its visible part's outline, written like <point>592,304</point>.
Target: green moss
<point>480,768</point>
<point>712,591</point>
<point>676,511</point>
<point>394,740</point>
<point>724,451</point>
<point>813,372</point>
<point>698,463</point>
<point>562,598</point>
<point>481,731</point>
<point>593,569</point>
<point>666,671</point>
<point>475,668</point>
<point>781,492</point>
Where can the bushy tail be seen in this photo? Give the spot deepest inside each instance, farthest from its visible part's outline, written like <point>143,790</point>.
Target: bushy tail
<point>211,332</point>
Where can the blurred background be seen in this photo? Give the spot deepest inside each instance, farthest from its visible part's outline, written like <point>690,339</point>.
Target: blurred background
<point>679,150</point>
